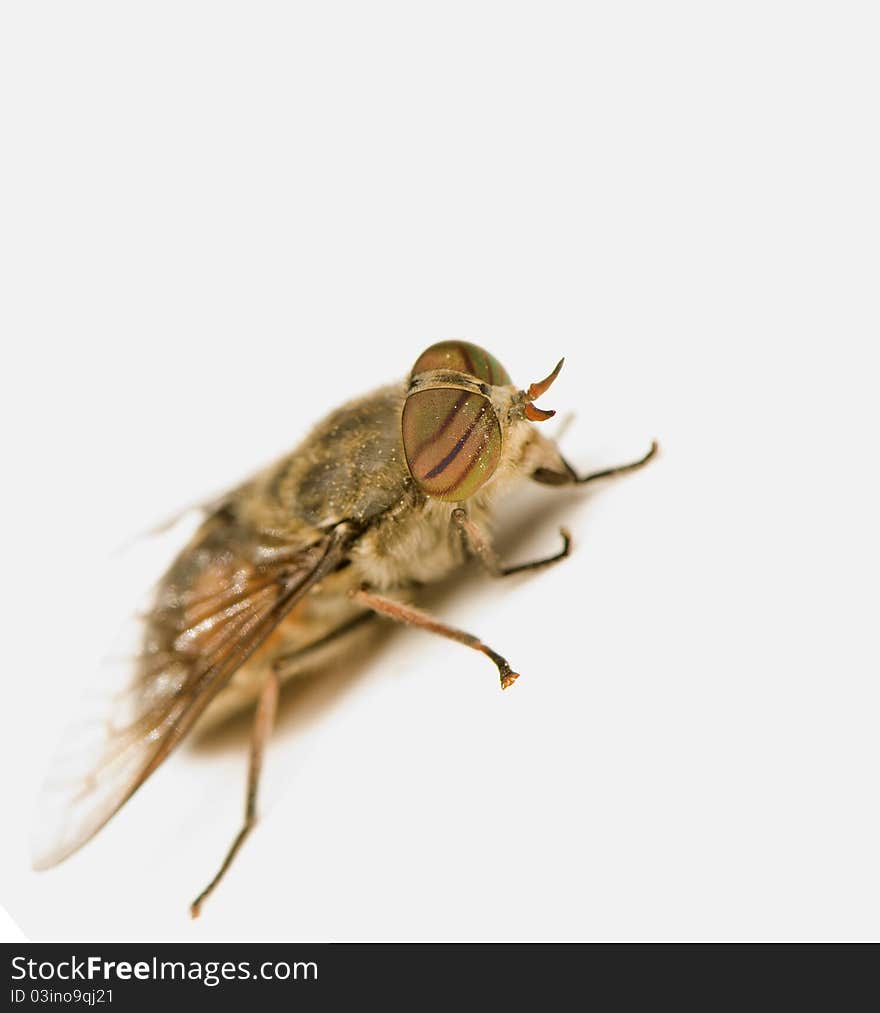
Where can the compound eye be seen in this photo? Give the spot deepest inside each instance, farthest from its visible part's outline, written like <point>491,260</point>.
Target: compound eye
<point>452,441</point>
<point>463,357</point>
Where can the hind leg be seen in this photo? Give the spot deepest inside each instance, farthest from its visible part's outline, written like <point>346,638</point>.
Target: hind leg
<point>263,721</point>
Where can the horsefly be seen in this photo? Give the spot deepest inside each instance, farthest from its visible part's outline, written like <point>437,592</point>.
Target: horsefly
<point>389,492</point>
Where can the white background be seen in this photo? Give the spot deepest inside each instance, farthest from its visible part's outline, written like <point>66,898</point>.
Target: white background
<point>219,220</point>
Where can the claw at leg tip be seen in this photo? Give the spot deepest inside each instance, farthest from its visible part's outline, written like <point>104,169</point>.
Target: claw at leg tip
<point>508,680</point>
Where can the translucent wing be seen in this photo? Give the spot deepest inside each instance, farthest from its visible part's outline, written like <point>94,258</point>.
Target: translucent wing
<point>222,597</point>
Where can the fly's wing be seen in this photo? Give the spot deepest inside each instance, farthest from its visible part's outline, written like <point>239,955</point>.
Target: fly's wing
<point>219,601</point>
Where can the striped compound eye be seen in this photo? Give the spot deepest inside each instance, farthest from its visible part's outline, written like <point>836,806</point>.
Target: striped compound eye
<point>463,357</point>
<point>452,440</point>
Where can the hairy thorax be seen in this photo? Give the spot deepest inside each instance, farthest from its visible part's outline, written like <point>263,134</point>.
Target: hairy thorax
<point>415,545</point>
<point>412,542</point>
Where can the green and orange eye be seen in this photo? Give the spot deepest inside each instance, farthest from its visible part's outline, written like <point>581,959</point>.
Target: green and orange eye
<point>452,441</point>
<point>451,434</point>
<point>463,357</point>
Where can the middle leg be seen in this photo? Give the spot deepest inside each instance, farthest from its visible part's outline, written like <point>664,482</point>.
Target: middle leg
<point>478,544</point>
<point>416,617</point>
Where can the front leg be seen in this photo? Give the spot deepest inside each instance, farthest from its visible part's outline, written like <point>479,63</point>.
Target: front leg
<point>478,545</point>
<point>567,476</point>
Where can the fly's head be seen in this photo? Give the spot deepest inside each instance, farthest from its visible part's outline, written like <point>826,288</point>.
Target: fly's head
<point>463,418</point>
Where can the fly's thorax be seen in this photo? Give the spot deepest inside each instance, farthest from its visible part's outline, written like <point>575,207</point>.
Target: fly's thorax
<point>351,466</point>
<point>418,543</point>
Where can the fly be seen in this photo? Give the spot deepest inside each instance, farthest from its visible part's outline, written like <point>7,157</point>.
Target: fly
<point>390,491</point>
